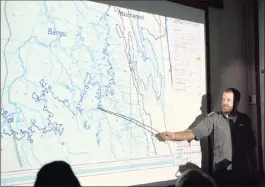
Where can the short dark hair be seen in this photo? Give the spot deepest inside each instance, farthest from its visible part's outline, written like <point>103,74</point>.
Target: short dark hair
<point>57,173</point>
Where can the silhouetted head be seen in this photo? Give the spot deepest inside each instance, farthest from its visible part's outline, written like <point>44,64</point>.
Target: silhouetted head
<point>57,173</point>
<point>193,178</point>
<point>230,100</point>
<point>188,166</point>
<point>203,107</point>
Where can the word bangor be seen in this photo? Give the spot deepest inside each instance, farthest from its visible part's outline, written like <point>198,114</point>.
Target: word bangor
<point>55,32</point>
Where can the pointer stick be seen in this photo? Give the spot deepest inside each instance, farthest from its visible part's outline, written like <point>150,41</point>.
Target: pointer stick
<point>142,125</point>
<point>136,122</point>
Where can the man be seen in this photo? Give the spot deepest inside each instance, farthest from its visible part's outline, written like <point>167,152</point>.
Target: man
<point>234,157</point>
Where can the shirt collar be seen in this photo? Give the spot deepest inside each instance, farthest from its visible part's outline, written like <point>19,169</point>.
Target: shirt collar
<point>233,116</point>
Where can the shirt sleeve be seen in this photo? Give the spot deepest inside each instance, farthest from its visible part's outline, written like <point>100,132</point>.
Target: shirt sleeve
<point>204,127</point>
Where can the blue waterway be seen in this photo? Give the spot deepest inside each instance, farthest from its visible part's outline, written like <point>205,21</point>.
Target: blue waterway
<point>168,50</point>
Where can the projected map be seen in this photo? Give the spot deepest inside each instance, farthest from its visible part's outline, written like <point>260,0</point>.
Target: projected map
<point>86,83</point>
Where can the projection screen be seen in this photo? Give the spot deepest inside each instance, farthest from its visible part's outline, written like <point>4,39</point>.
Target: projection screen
<point>91,84</point>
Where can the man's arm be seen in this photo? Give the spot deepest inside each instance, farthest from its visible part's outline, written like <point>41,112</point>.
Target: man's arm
<point>251,152</point>
<point>175,136</point>
<point>202,129</point>
<point>250,146</point>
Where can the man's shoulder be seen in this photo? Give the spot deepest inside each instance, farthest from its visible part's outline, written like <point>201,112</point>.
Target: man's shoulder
<point>243,116</point>
<point>214,113</point>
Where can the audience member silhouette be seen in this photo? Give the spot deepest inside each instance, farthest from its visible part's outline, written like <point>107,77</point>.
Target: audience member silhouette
<point>57,173</point>
<point>193,178</point>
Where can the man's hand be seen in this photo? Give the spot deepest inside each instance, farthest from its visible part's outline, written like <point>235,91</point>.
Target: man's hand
<point>164,136</point>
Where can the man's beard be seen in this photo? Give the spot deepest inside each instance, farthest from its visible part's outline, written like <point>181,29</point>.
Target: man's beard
<point>226,110</point>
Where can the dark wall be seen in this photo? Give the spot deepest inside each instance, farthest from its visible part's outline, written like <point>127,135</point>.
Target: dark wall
<point>203,4</point>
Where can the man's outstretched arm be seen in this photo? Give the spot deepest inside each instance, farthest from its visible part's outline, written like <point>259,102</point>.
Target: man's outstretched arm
<point>176,136</point>
<point>202,129</point>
